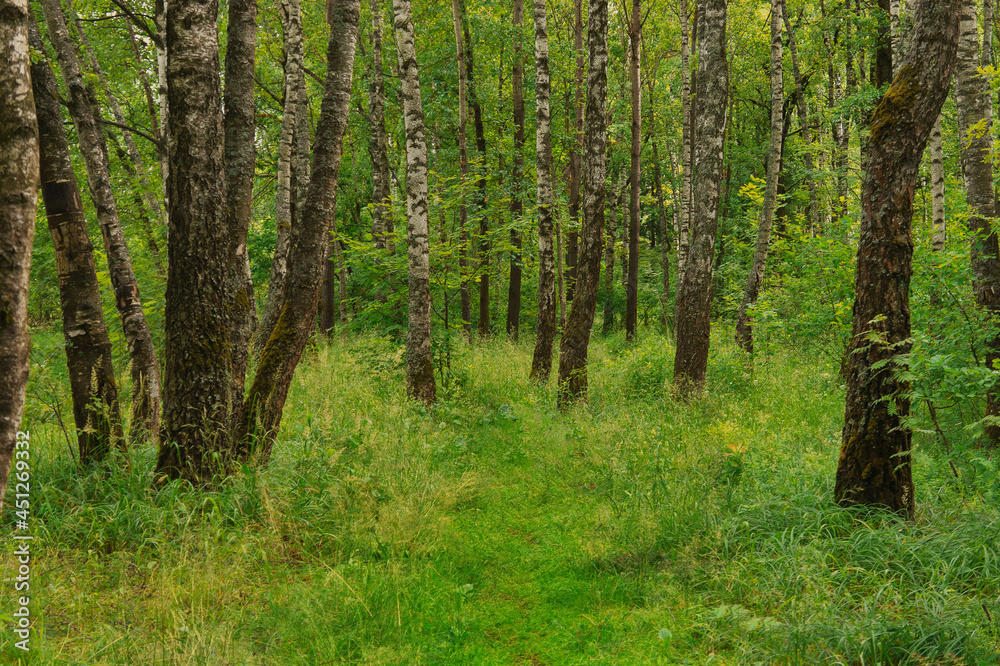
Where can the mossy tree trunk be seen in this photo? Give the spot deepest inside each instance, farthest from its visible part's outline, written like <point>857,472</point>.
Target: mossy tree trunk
<point>419,365</point>
<point>18,202</point>
<point>94,390</point>
<point>199,373</point>
<point>694,290</point>
<point>541,360</point>
<point>265,401</point>
<point>576,337</point>
<point>744,326</point>
<point>874,465</point>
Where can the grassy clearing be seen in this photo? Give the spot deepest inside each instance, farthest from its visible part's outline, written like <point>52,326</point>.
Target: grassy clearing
<point>493,529</point>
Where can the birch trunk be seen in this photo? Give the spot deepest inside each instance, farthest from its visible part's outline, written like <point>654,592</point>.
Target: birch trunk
<point>800,107</point>
<point>265,401</point>
<point>874,464</point>
<point>694,294</point>
<point>744,322</point>
<point>89,358</point>
<point>940,224</point>
<point>199,372</point>
<point>517,175</point>
<point>575,150</point>
<point>378,143</point>
<point>541,360</point>
<point>18,203</point>
<point>145,366</point>
<point>419,366</point>
<point>290,168</point>
<point>239,126</point>
<point>975,132</point>
<point>687,152</point>
<point>632,289</point>
<point>576,337</point>
<point>463,164</point>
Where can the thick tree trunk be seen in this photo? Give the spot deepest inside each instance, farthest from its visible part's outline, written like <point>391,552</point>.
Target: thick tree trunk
<point>463,164</point>
<point>576,337</point>
<point>292,168</point>
<point>18,202</point>
<point>199,373</point>
<point>800,107</point>
<point>975,131</point>
<point>874,465</point>
<point>265,401</point>
<point>744,326</point>
<point>96,410</point>
<point>419,366</point>
<point>517,175</point>
<point>694,292</point>
<point>541,360</point>
<point>632,290</point>
<point>145,366</point>
<point>239,125</point>
<point>378,144</point>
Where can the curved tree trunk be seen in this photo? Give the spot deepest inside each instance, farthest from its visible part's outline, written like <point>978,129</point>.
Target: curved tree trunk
<point>517,175</point>
<point>874,465</point>
<point>18,202</point>
<point>199,373</point>
<point>145,366</point>
<point>576,337</point>
<point>744,327</point>
<point>419,365</point>
<point>694,291</point>
<point>265,401</point>
<point>975,131</point>
<point>541,360</point>
<point>292,171</point>
<point>89,358</point>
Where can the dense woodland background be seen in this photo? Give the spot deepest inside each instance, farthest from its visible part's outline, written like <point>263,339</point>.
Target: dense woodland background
<point>671,517</point>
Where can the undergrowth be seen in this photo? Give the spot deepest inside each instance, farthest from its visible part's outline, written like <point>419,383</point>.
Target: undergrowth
<point>493,529</point>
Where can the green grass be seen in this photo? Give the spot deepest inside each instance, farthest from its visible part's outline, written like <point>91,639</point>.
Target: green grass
<point>492,529</point>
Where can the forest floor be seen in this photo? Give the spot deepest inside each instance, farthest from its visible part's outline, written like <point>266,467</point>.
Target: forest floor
<point>493,529</point>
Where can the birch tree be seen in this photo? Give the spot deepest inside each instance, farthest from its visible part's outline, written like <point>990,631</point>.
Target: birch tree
<point>541,360</point>
<point>93,388</point>
<point>419,366</point>
<point>18,200</point>
<point>874,466</point>
<point>694,290</point>
<point>576,337</point>
<point>744,327</point>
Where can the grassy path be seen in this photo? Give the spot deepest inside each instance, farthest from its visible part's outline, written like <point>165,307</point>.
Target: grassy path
<point>493,530</point>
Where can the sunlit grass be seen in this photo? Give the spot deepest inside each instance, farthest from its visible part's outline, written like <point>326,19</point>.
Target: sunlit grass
<point>494,529</point>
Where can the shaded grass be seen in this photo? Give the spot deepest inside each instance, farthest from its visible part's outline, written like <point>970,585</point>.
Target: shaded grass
<point>493,529</point>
